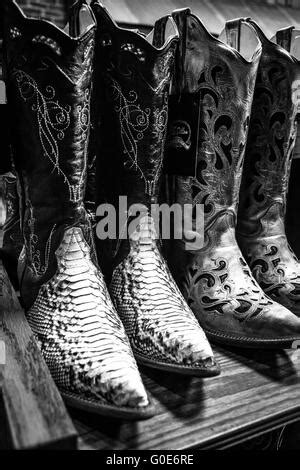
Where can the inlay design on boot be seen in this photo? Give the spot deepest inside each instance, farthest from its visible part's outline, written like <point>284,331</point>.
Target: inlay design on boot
<point>66,300</point>
<point>264,189</point>
<point>48,41</point>
<point>132,95</point>
<point>15,33</point>
<point>37,262</point>
<point>212,289</point>
<point>80,334</point>
<point>134,123</point>
<point>53,120</point>
<point>213,91</point>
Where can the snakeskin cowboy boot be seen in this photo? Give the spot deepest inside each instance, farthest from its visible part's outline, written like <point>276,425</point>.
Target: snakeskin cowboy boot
<point>68,306</point>
<point>209,116</point>
<point>12,236</point>
<point>272,133</point>
<point>132,79</point>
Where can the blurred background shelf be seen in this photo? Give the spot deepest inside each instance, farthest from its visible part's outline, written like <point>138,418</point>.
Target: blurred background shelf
<point>213,13</point>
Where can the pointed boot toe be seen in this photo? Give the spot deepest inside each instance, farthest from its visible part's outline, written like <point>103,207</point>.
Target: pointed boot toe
<point>162,329</point>
<point>63,291</point>
<point>82,338</point>
<point>188,353</point>
<point>271,326</point>
<point>281,325</point>
<point>213,276</point>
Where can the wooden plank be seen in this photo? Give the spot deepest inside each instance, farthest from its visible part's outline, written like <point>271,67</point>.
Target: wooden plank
<point>32,412</point>
<point>257,392</point>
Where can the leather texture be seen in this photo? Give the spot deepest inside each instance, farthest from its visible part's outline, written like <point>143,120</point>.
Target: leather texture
<point>132,86</point>
<point>217,85</point>
<point>78,18</point>
<point>5,161</point>
<point>67,302</point>
<point>12,235</point>
<point>272,134</point>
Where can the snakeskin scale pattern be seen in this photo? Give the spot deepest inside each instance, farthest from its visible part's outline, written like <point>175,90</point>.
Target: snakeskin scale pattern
<point>156,317</point>
<point>216,90</point>
<point>48,91</point>
<point>272,134</point>
<point>80,334</point>
<point>133,78</point>
<point>63,290</point>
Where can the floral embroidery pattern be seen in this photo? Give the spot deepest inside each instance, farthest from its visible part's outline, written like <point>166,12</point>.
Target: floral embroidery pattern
<point>134,122</point>
<point>53,120</point>
<point>37,267</point>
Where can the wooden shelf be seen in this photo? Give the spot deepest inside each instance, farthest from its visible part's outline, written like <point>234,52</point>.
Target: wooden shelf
<point>257,392</point>
<point>32,413</point>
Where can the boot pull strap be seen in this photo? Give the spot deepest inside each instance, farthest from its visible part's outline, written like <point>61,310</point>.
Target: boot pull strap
<point>80,17</point>
<point>262,37</point>
<point>74,17</point>
<point>233,32</point>
<point>159,31</point>
<point>180,17</point>
<point>284,37</point>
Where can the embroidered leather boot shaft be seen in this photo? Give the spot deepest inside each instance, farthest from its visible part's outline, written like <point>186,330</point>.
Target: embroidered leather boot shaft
<point>79,18</point>
<point>272,134</point>
<point>133,78</point>
<point>12,236</point>
<point>209,117</point>
<point>289,39</point>
<point>5,161</point>
<point>83,341</point>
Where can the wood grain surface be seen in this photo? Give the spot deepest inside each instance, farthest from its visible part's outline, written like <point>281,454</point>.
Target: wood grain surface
<point>32,413</point>
<point>258,391</point>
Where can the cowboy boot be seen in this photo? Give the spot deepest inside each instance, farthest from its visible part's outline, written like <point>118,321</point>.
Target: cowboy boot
<point>79,17</point>
<point>5,161</point>
<point>209,116</point>
<point>289,39</point>
<point>132,78</point>
<point>67,303</point>
<point>272,133</point>
<point>12,236</point>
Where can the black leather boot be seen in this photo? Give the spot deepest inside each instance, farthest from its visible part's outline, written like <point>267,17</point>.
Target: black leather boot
<point>5,160</point>
<point>132,83</point>
<point>209,117</point>
<point>68,307</point>
<point>272,134</point>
